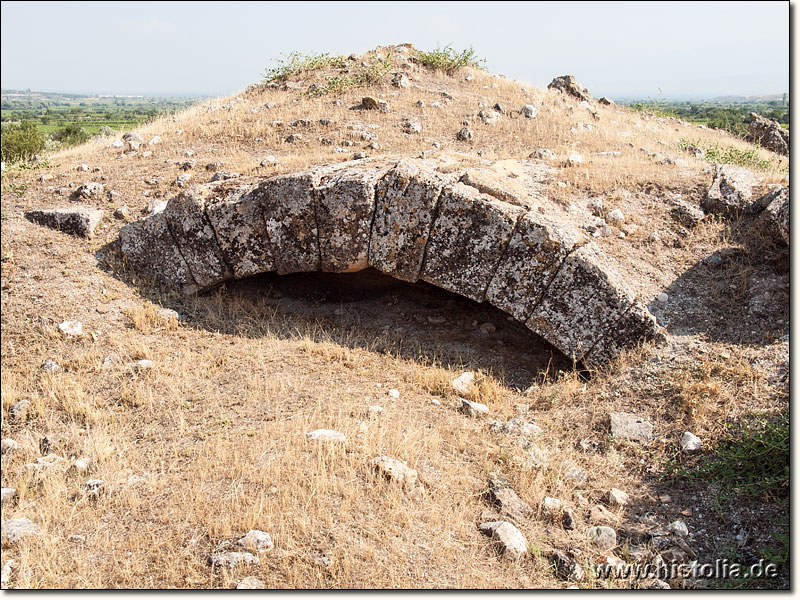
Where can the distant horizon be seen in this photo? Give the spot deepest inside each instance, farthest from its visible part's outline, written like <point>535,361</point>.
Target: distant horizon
<point>615,97</point>
<point>675,50</point>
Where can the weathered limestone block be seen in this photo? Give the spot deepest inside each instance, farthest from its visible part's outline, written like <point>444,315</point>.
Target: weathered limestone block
<point>467,240</point>
<point>75,221</point>
<point>237,217</point>
<point>584,299</point>
<point>290,217</point>
<point>637,324</point>
<point>535,251</point>
<point>195,237</point>
<point>345,207</point>
<point>405,204</point>
<point>502,188</point>
<point>775,218</point>
<point>731,191</point>
<point>149,248</point>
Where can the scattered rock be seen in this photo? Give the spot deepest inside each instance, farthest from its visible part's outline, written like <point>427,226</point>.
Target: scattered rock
<point>8,446</point>
<point>690,443</point>
<point>606,101</point>
<point>574,159</point>
<point>566,568</point>
<point>678,527</point>
<point>769,134</point>
<point>663,297</point>
<point>617,498</point>
<point>412,127</point>
<point>325,435</point>
<point>74,221</point>
<point>256,541</point>
<point>774,219</point>
<point>552,508</point>
<point>462,385</point>
<point>489,116</point>
<point>19,410</point>
<point>400,80</point>
<point>600,514</point>
<point>132,141</point>
<point>512,543</point>
<point>16,530</point>
<point>94,487</point>
<point>474,409</point>
<point>615,218</point>
<point>190,164</point>
<point>396,471</point>
<point>370,103</point>
<point>516,426</point>
<point>50,366</point>
<point>569,520</point>
<point>183,180</point>
<point>465,134</point>
<point>731,191</point>
<point>156,139</point>
<point>225,175</point>
<point>123,213</point>
<point>140,366</point>
<point>90,190</point>
<point>506,499</point>
<point>81,465</point>
<point>250,583</point>
<point>628,426</point>
<point>602,536</point>
<point>568,85</point>
<point>529,111</point>
<point>686,214</point>
<point>231,560</point>
<point>168,314</point>
<point>543,153</point>
<point>7,495</point>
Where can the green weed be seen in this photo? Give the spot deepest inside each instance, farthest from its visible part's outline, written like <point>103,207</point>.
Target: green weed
<point>297,62</point>
<point>448,60</point>
<point>731,155</point>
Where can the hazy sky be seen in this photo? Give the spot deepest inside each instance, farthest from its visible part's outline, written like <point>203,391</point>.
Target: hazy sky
<point>634,49</point>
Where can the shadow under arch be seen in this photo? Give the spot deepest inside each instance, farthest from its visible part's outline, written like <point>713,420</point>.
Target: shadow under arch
<point>370,310</point>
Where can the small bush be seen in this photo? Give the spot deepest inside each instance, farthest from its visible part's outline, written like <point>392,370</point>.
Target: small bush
<point>731,155</point>
<point>371,74</point>
<point>297,62</point>
<point>71,135</point>
<point>20,141</point>
<point>448,60</point>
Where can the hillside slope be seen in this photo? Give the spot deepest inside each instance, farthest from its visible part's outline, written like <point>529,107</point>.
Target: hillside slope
<point>208,441</point>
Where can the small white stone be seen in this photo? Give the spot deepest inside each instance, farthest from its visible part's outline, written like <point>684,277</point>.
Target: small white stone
<point>690,442</point>
<point>552,507</point>
<point>71,328</point>
<point>663,297</point>
<point>463,383</point>
<point>474,409</point>
<point>393,393</point>
<point>8,446</point>
<point>575,159</point>
<point>325,435</point>
<point>50,366</point>
<point>617,498</point>
<point>250,583</point>
<point>602,537</point>
<point>679,527</point>
<point>256,540</point>
<point>7,494</point>
<point>615,218</point>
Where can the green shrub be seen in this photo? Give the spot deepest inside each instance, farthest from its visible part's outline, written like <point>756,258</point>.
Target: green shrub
<point>371,74</point>
<point>448,60</point>
<point>731,155</point>
<point>297,62</point>
<point>71,135</point>
<point>20,141</point>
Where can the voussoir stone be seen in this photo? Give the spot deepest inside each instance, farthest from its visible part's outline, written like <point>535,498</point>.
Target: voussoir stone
<point>535,251</point>
<point>149,248</point>
<point>467,241</point>
<point>237,218</point>
<point>405,204</point>
<point>582,302</point>
<point>195,237</point>
<point>74,221</point>
<point>345,209</point>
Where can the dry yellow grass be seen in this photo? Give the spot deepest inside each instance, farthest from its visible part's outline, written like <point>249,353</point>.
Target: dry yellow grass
<point>214,434</point>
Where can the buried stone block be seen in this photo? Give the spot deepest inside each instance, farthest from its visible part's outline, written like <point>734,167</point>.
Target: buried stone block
<point>192,231</point>
<point>467,241</point>
<point>149,248</point>
<point>345,207</point>
<point>535,251</point>
<point>405,204</point>
<point>584,299</point>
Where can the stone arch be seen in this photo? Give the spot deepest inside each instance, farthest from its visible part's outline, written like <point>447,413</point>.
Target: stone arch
<point>469,231</point>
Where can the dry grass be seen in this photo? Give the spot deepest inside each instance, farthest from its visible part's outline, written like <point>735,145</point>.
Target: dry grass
<point>216,430</point>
